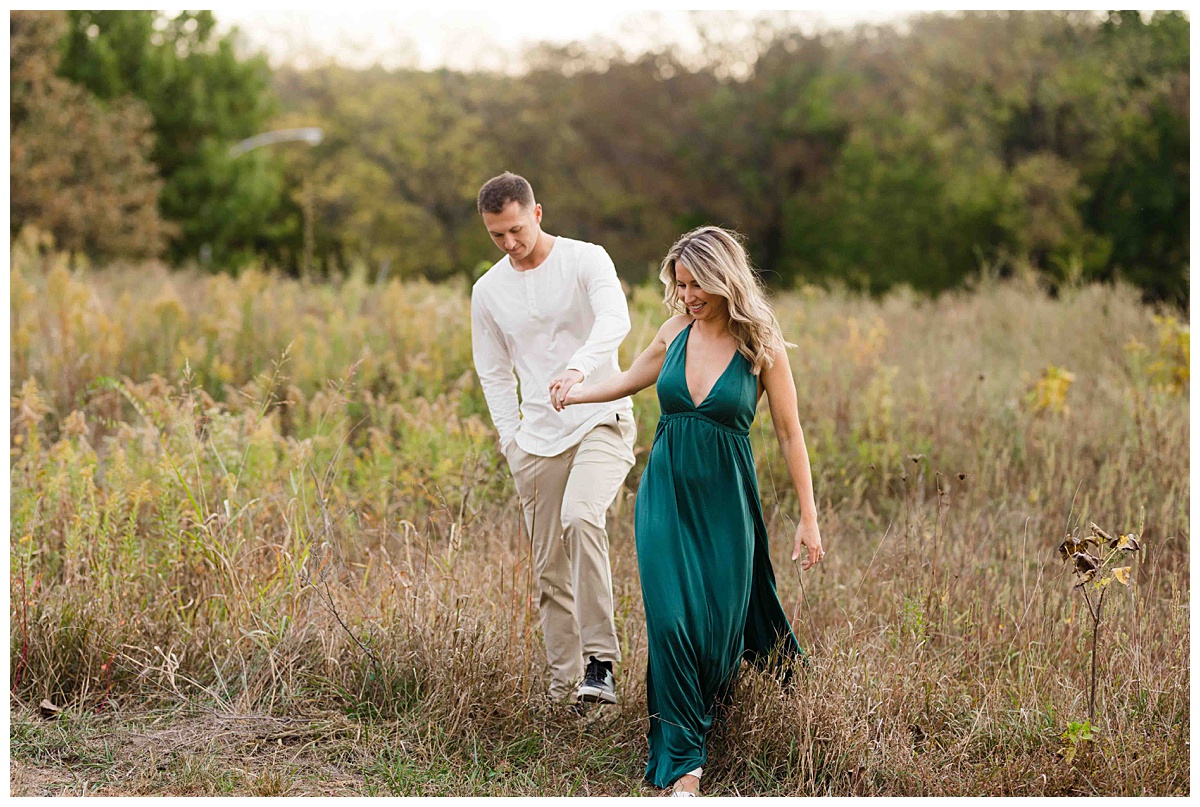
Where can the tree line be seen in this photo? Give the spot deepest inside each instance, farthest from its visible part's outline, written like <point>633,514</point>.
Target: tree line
<point>919,154</point>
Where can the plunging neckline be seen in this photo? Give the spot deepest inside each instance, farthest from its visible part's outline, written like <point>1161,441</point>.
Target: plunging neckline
<point>691,398</point>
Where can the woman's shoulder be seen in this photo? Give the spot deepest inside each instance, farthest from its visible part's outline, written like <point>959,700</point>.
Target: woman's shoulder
<point>673,327</point>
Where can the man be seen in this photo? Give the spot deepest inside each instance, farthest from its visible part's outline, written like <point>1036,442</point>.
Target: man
<point>553,311</point>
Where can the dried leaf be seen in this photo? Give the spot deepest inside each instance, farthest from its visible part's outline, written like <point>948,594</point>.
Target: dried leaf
<point>1122,575</point>
<point>48,710</point>
<point>1069,547</point>
<point>1128,543</point>
<point>1085,563</point>
<point>1095,530</point>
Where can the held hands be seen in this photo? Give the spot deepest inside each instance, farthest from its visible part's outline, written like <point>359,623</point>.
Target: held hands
<point>560,389</point>
<point>808,535</point>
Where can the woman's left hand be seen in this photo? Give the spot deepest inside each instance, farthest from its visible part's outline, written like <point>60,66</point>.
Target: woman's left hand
<point>808,534</point>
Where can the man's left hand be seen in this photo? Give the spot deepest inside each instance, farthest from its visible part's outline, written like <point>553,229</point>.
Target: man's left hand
<point>560,386</point>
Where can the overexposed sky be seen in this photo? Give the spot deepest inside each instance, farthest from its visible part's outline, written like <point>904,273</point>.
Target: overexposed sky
<point>479,39</point>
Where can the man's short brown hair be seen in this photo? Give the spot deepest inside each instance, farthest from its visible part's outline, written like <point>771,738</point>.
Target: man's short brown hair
<point>497,192</point>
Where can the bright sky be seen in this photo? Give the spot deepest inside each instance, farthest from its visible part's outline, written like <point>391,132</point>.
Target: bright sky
<point>470,39</point>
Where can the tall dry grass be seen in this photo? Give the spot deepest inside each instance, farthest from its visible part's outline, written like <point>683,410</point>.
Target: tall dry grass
<point>258,496</point>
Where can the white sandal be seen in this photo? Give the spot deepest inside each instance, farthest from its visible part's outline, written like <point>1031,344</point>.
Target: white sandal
<point>678,791</point>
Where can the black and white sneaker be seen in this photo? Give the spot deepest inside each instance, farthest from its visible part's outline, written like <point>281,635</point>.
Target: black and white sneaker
<point>598,683</point>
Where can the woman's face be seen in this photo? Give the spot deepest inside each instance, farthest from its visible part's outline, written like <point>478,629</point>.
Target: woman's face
<point>700,304</point>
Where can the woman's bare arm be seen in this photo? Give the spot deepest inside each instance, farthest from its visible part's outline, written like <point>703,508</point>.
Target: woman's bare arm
<point>641,374</point>
<point>781,395</point>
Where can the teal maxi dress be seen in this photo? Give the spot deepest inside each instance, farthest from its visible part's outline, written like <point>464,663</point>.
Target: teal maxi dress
<point>707,583</point>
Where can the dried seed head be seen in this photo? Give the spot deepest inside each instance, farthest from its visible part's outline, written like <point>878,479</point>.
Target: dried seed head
<point>30,405</point>
<point>75,425</point>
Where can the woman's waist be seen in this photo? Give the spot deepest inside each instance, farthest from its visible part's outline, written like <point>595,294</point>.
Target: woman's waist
<point>672,417</point>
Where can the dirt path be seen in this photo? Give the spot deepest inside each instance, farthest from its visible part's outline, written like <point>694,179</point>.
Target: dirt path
<point>191,756</point>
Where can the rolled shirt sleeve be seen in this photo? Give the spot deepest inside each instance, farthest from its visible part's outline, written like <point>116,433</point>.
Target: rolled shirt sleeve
<point>494,366</point>
<point>599,277</point>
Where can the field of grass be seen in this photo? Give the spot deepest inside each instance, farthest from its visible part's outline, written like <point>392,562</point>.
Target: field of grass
<point>262,543</point>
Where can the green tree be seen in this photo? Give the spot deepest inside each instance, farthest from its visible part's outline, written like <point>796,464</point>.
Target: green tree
<point>875,156</point>
<point>600,138</point>
<point>1141,176</point>
<point>765,141</point>
<point>80,170</point>
<point>1089,118</point>
<point>897,207</point>
<point>203,99</point>
<point>1012,101</point>
<point>404,156</point>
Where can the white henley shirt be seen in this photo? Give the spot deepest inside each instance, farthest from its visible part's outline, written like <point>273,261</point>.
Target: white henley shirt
<point>568,313</point>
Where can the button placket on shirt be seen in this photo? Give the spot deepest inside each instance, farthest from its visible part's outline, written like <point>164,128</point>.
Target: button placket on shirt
<point>530,296</point>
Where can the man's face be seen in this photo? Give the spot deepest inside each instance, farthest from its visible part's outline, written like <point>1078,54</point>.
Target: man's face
<point>515,229</point>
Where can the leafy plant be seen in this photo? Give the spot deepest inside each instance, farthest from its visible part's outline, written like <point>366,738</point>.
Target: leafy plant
<point>1093,557</point>
<point>1074,736</point>
<point>1049,393</point>
<point>1173,357</point>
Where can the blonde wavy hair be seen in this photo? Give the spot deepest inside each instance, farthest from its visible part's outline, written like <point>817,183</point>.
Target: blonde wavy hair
<point>718,260</point>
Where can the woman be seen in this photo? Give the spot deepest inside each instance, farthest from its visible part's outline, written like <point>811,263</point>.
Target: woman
<point>707,583</point>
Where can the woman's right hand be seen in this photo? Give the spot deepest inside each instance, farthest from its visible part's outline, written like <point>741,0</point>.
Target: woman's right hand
<point>562,385</point>
<point>641,374</point>
<point>572,397</point>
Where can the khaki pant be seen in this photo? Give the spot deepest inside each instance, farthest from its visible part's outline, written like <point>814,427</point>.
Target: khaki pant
<point>564,499</point>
